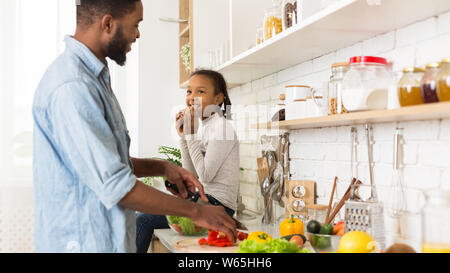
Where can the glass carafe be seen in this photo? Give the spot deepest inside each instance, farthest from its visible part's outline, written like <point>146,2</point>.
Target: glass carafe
<point>436,222</point>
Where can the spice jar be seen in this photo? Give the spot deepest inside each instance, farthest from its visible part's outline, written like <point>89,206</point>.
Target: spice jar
<point>436,222</point>
<point>409,92</point>
<point>336,106</point>
<point>289,13</point>
<point>428,85</point>
<point>272,21</point>
<point>365,86</point>
<point>443,88</point>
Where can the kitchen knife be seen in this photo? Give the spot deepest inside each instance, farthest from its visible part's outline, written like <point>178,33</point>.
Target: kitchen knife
<point>196,199</point>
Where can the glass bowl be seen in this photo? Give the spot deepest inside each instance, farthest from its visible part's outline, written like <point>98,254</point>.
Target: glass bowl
<point>324,242</point>
<point>185,226</point>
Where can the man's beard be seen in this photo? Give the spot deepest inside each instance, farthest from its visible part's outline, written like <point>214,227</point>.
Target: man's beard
<point>117,47</point>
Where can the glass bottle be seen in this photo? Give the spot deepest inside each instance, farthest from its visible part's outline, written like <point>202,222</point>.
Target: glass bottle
<point>272,21</point>
<point>443,88</point>
<point>336,106</point>
<point>436,222</point>
<point>409,92</point>
<point>259,34</point>
<point>428,85</point>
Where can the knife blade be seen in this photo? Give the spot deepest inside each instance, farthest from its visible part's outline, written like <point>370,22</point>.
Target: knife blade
<point>195,197</point>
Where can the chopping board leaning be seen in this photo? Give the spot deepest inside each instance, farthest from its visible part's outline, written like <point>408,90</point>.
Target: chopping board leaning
<point>192,246</point>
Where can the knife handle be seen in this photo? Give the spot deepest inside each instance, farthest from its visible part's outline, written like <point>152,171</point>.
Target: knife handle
<point>191,196</point>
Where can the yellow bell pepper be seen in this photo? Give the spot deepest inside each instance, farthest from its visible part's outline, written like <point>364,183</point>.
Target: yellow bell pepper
<point>291,226</point>
<point>259,236</point>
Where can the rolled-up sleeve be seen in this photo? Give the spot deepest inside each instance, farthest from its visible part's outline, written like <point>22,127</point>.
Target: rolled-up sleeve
<point>87,143</point>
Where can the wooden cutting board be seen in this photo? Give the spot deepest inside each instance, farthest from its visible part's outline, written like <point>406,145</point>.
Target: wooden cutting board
<point>192,246</point>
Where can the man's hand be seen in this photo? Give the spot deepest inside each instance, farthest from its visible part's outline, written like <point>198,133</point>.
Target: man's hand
<point>215,217</point>
<point>184,180</point>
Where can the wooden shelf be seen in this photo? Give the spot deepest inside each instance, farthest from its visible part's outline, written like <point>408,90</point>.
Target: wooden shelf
<point>434,111</point>
<point>185,37</point>
<point>340,25</point>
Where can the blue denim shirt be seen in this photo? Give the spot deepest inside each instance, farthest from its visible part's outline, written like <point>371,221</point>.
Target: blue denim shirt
<point>81,163</point>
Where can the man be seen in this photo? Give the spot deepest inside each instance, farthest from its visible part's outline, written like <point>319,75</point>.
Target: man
<point>86,192</point>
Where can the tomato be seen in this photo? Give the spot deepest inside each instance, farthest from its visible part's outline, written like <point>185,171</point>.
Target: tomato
<point>339,228</point>
<point>203,241</point>
<point>297,240</point>
<point>242,235</point>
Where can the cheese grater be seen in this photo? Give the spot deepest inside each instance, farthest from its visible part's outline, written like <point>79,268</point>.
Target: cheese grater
<point>366,215</point>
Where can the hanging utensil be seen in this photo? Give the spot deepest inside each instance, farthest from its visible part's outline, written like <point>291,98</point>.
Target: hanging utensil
<point>397,193</point>
<point>366,215</point>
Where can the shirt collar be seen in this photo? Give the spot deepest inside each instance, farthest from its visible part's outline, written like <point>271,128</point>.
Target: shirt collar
<point>85,54</point>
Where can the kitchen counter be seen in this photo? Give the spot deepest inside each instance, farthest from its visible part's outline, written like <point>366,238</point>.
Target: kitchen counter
<point>163,239</point>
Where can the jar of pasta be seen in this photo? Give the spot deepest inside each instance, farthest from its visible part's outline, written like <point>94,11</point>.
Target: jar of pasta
<point>273,20</point>
<point>443,89</point>
<point>409,92</point>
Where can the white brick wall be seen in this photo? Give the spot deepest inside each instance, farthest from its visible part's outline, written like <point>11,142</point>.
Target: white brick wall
<point>321,154</point>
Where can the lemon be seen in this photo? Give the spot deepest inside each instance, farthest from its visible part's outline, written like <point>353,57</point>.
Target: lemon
<point>356,242</point>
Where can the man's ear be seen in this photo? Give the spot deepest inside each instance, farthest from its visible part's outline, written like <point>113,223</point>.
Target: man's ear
<point>107,23</point>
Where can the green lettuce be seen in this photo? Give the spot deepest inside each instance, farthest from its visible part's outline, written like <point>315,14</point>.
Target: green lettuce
<point>186,224</point>
<point>273,246</point>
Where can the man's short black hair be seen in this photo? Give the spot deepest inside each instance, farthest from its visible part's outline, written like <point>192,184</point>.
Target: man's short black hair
<point>90,10</point>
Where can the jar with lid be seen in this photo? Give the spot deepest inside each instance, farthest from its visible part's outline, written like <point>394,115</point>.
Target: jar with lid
<point>409,91</point>
<point>436,222</point>
<point>335,105</point>
<point>289,13</point>
<point>443,78</point>
<point>428,85</point>
<point>272,20</point>
<point>365,86</point>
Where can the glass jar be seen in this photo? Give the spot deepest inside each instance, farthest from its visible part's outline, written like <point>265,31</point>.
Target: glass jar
<point>272,21</point>
<point>436,222</point>
<point>335,104</point>
<point>259,34</point>
<point>428,85</point>
<point>443,89</point>
<point>365,86</point>
<point>409,86</point>
<point>289,13</point>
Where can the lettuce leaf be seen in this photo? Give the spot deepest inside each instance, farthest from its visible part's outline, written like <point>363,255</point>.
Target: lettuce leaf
<point>186,225</point>
<point>273,246</point>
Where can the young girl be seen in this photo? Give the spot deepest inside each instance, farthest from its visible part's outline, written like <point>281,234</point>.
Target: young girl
<point>209,148</point>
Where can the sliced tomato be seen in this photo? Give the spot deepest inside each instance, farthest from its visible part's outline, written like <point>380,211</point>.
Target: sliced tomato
<point>242,235</point>
<point>223,244</point>
<point>203,241</point>
<point>212,235</point>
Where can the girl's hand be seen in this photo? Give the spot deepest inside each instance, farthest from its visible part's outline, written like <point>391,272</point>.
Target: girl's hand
<point>190,118</point>
<point>179,122</point>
